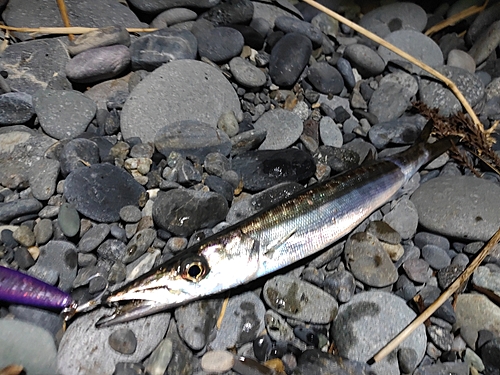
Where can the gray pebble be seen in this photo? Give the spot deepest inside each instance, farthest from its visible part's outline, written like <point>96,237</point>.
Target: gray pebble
<point>425,238</point>
<point>403,218</point>
<point>325,78</point>
<point>436,257</point>
<point>20,207</point>
<point>78,153</point>
<point>461,59</point>
<point>341,285</point>
<point>43,178</point>
<point>139,244</point>
<point>15,108</point>
<point>130,214</point>
<point>417,270</point>
<point>173,16</point>
<point>283,128</point>
<point>367,61</point>
<point>69,220</point>
<point>43,231</point>
<point>389,101</point>
<point>220,44</point>
<point>157,363</point>
<point>123,341</point>
<point>102,37</point>
<point>93,238</point>
<point>246,74</point>
<point>486,43</point>
<point>277,327</point>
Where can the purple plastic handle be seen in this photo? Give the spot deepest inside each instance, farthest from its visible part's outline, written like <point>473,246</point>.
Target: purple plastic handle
<point>17,287</point>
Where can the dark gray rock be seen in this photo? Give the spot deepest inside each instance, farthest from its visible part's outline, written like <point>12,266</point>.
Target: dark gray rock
<point>247,141</point>
<point>367,61</point>
<point>42,59</point>
<point>425,238</point>
<point>341,285</point>
<point>486,43</point>
<point>182,211</point>
<point>289,25</point>
<point>458,368</point>
<point>177,91</point>
<point>15,108</point>
<point>325,78</point>
<point>156,6</point>
<point>93,238</point>
<point>19,207</point>
<point>63,114</point>
<point>220,44</point>
<point>138,245</point>
<point>191,138</point>
<point>402,131</point>
<point>230,12</point>
<point>78,153</point>
<point>389,102</point>
<point>123,341</point>
<point>155,49</point>
<point>446,311</point>
<point>112,250</point>
<point>288,58</point>
<point>98,64</point>
<point>264,168</point>
<point>417,270</point>
<point>436,257</point>
<point>314,361</point>
<point>101,190</point>
<point>173,16</point>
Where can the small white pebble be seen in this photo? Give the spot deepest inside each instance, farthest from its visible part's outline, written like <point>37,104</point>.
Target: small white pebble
<point>217,361</point>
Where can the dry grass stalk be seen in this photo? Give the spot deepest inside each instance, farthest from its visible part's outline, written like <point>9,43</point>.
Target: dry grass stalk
<point>34,31</point>
<point>449,83</point>
<point>64,15</point>
<point>453,20</point>
<point>464,276</point>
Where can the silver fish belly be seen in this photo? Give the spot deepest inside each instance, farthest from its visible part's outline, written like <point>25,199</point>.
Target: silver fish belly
<point>268,241</point>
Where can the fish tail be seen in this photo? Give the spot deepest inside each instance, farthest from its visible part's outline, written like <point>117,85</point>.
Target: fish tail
<point>421,153</point>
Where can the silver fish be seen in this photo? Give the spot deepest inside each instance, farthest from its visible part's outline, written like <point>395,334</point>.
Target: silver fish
<point>268,241</point>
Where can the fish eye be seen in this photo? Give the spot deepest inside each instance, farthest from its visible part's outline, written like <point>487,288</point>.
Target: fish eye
<point>194,270</point>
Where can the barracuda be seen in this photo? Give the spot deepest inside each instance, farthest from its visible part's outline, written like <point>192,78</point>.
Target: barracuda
<point>268,241</point>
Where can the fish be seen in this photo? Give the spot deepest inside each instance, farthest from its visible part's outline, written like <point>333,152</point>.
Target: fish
<point>298,227</point>
<point>19,288</point>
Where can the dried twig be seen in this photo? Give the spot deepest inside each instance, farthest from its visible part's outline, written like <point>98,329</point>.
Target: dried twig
<point>64,15</point>
<point>67,30</point>
<point>404,55</point>
<point>453,20</point>
<point>437,303</point>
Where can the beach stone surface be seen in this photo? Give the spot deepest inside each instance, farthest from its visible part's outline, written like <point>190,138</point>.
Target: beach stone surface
<point>164,94</point>
<point>461,207</point>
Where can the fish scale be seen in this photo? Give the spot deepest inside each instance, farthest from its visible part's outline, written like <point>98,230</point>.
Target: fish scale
<point>298,227</point>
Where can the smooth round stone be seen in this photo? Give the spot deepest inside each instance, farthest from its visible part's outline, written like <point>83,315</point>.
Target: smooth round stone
<point>43,231</point>
<point>240,12</point>
<point>403,131</point>
<point>289,24</point>
<point>242,322</point>
<point>220,44</point>
<point>247,74</point>
<point>403,218</point>
<point>106,36</point>
<point>15,108</point>
<point>486,279</point>
<point>397,16</point>
<point>19,207</point>
<point>417,270</point>
<point>63,114</point>
<point>253,38</point>
<point>43,178</point>
<point>436,257</point>
<point>217,361</point>
<point>182,211</point>
<point>481,23</point>
<point>462,207</point>
<point>262,169</point>
<point>123,341</point>
<point>74,354</point>
<point>325,78</point>
<point>491,354</point>
<point>330,132</point>
<point>404,79</point>
<point>130,214</point>
<point>78,153</point>
<point>138,245</point>
<point>43,59</point>
<point>177,91</point>
<point>389,101</point>
<point>461,59</point>
<point>93,238</point>
<point>416,44</point>
<point>300,300</point>
<point>486,44</point>
<point>30,346</point>
<point>434,95</point>
<point>385,315</point>
<point>216,164</point>
<point>173,16</point>
<point>367,61</point>
<point>101,190</point>
<point>369,262</point>
<point>288,58</point>
<point>98,64</point>
<point>341,285</point>
<point>283,129</point>
<point>191,138</point>
<point>422,239</point>
<point>157,6</point>
<point>158,361</point>
<point>69,220</point>
<point>277,327</point>
<point>345,69</point>
<point>153,50</point>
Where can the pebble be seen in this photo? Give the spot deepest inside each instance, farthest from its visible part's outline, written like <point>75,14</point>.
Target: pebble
<point>98,64</point>
<point>486,43</point>
<point>289,25</point>
<point>69,220</point>
<point>91,239</point>
<point>82,335</point>
<point>416,44</point>
<point>43,178</point>
<point>25,236</point>
<point>367,61</point>
<point>196,322</point>
<point>242,322</point>
<point>191,138</point>
<point>314,361</point>
<point>341,285</point>
<point>299,300</point>
<point>140,116</point>
<point>123,341</point>
<point>247,74</point>
<point>422,239</point>
<point>78,153</point>
<point>403,218</point>
<point>182,211</point>
<point>138,245</point>
<point>386,315</point>
<point>153,50</point>
<point>158,362</point>
<point>262,169</point>
<point>389,101</point>
<point>446,311</point>
<point>27,345</point>
<point>288,58</point>
<point>330,132</point>
<point>217,361</point>
<point>173,16</point>
<point>277,327</point>
<point>325,78</point>
<point>487,279</point>
<point>368,261</point>
<point>43,231</point>
<point>436,257</point>
<point>20,207</point>
<point>220,44</point>
<point>490,353</point>
<point>434,95</point>
<point>417,270</point>
<point>100,191</point>
<point>462,207</point>
<point>15,108</point>
<point>283,128</point>
<point>102,37</point>
<point>78,111</point>
<point>461,59</point>
<point>443,368</point>
<point>240,11</point>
